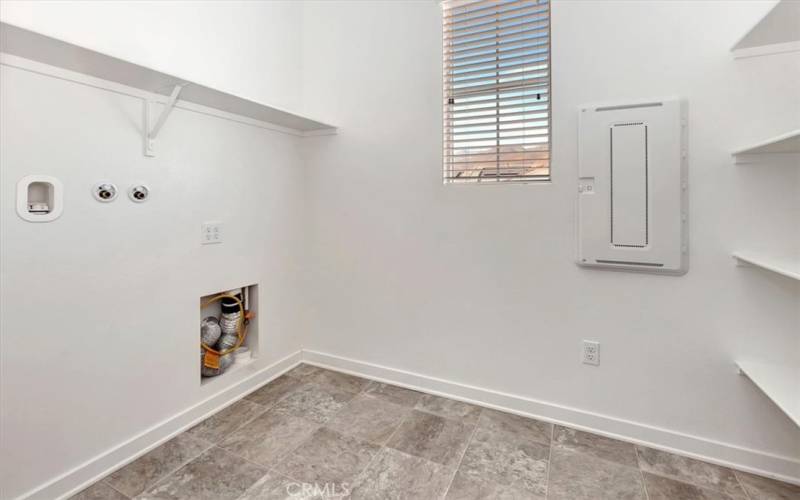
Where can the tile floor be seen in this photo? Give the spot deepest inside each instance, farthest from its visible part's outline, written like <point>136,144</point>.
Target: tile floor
<point>315,433</point>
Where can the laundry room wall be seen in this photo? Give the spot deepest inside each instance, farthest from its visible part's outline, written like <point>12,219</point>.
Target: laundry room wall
<point>99,352</point>
<point>477,285</point>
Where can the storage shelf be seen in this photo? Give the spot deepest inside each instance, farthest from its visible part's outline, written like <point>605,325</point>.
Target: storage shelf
<point>778,31</point>
<point>785,266</point>
<point>784,143</point>
<point>781,384</point>
<point>43,49</point>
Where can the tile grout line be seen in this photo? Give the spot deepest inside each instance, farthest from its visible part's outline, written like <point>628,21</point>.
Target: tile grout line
<point>103,480</point>
<point>278,459</point>
<point>235,429</point>
<point>182,465</point>
<point>383,446</point>
<point>273,468</point>
<point>641,472</point>
<point>269,470</point>
<point>266,408</point>
<point>741,485</point>
<point>319,426</point>
<point>463,454</point>
<point>549,461</point>
<point>680,479</point>
<point>176,469</point>
<point>451,419</point>
<point>274,473</point>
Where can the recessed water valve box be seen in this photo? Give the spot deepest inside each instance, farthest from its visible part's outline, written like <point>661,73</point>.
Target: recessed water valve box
<point>632,186</point>
<point>40,198</point>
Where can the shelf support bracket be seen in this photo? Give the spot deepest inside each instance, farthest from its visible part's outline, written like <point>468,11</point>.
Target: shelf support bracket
<point>151,134</point>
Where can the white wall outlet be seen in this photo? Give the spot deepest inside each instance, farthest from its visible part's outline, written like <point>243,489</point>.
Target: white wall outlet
<point>211,233</point>
<point>591,352</point>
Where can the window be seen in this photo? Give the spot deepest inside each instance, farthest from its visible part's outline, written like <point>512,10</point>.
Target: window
<point>496,90</point>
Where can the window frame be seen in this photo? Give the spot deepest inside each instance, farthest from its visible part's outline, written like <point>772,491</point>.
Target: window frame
<point>447,83</point>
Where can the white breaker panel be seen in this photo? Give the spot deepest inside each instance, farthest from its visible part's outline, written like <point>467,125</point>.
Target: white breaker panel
<point>632,186</point>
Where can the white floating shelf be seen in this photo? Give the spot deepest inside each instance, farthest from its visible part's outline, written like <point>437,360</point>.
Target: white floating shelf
<point>784,143</point>
<point>778,31</point>
<point>781,384</point>
<point>43,49</point>
<point>785,266</point>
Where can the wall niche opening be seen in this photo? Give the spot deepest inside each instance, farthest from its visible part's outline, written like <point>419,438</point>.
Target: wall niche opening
<point>228,332</point>
<point>39,198</point>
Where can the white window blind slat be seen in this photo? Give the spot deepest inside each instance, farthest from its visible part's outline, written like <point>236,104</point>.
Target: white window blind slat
<point>504,68</point>
<point>492,38</point>
<point>502,11</point>
<point>514,80</point>
<point>533,101</point>
<point>456,64</point>
<point>493,31</point>
<point>470,132</point>
<point>507,113</point>
<point>472,82</point>
<point>496,76</point>
<point>493,24</point>
<point>491,63</point>
<point>472,9</point>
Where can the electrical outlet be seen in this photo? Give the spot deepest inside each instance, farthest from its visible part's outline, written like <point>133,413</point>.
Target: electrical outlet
<point>591,352</point>
<point>211,232</point>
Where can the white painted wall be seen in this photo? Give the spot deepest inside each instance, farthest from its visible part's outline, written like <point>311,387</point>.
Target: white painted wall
<point>252,49</point>
<point>100,315</point>
<point>117,286</point>
<point>477,284</point>
<point>474,284</point>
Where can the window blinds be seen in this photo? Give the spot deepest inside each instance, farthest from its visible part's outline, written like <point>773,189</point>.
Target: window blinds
<point>496,90</point>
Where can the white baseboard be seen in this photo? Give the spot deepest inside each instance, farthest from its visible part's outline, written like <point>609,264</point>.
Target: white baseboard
<point>725,454</point>
<point>98,467</point>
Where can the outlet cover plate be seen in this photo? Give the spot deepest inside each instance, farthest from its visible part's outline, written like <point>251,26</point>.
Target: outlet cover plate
<point>211,233</point>
<point>591,352</point>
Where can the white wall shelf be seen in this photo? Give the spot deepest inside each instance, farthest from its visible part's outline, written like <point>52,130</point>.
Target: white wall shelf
<point>43,49</point>
<point>787,143</point>
<point>785,266</point>
<point>779,383</point>
<point>777,32</point>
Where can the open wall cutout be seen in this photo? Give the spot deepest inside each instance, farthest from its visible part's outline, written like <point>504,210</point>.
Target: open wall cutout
<point>227,333</point>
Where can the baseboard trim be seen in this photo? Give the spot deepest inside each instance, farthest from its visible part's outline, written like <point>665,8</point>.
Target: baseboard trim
<point>98,467</point>
<point>757,462</point>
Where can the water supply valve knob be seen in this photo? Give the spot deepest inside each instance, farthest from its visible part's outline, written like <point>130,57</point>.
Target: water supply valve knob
<point>139,193</point>
<point>105,192</point>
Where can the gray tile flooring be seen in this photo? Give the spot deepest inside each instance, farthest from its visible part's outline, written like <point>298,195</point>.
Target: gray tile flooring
<point>315,433</point>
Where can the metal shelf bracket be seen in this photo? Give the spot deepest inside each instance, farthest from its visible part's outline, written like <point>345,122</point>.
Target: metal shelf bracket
<point>150,134</point>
